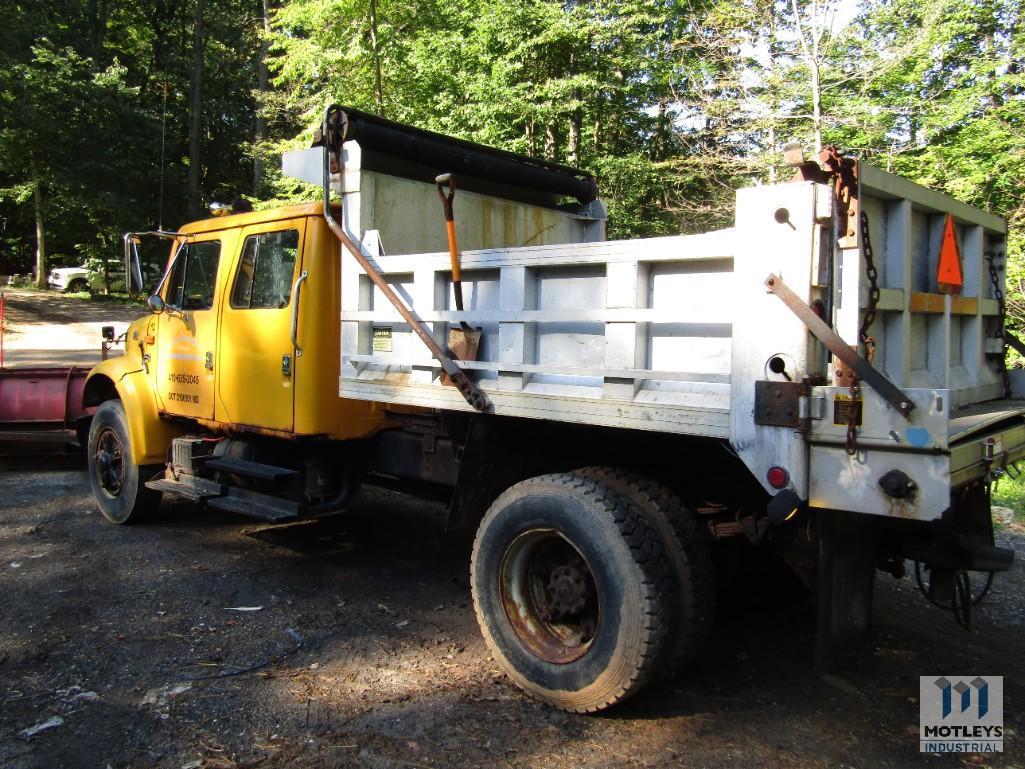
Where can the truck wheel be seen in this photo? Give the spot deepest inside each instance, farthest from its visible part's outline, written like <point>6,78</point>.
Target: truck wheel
<point>688,554</point>
<point>116,482</point>
<point>568,582</point>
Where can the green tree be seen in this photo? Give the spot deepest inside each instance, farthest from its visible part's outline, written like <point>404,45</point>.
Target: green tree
<point>86,87</point>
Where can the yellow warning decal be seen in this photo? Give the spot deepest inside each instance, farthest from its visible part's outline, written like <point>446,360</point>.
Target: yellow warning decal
<point>842,405</point>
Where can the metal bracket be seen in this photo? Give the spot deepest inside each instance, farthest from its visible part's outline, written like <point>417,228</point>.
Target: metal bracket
<point>1014,343</point>
<point>835,344</point>
<point>777,404</point>
<point>832,168</point>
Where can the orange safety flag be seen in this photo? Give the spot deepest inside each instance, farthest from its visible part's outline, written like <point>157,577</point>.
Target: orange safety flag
<point>949,275</point>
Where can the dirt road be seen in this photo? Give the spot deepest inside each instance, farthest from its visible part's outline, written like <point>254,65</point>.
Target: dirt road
<point>45,328</point>
<point>361,650</point>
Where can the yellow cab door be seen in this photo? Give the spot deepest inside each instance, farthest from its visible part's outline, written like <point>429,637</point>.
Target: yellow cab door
<point>256,358</point>
<point>187,330</point>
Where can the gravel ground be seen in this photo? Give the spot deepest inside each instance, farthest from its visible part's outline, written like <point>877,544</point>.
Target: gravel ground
<point>134,638</point>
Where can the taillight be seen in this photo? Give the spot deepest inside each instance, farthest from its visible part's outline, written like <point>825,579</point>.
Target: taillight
<point>777,477</point>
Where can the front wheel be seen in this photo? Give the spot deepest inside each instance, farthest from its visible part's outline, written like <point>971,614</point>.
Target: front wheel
<point>568,585</point>
<point>117,483</point>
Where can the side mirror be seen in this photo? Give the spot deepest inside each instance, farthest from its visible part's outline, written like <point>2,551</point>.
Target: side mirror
<point>133,267</point>
<point>155,304</point>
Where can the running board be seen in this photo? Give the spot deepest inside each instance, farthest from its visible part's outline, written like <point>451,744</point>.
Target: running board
<point>248,469</point>
<point>188,486</point>
<point>256,505</point>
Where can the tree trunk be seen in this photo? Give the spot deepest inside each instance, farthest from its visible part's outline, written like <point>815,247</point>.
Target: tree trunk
<point>376,53</point>
<point>573,140</point>
<point>816,105</point>
<point>810,42</point>
<point>196,109</point>
<point>552,141</point>
<point>37,200</point>
<point>98,12</point>
<point>660,141</point>
<point>106,278</point>
<point>262,76</point>
<point>773,48</point>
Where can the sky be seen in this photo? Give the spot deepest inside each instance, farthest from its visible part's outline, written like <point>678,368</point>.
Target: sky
<point>846,10</point>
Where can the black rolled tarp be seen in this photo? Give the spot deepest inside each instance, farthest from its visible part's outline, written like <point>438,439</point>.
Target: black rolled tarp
<point>444,154</point>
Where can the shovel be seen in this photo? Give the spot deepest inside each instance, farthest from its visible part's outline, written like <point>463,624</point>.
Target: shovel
<point>463,341</point>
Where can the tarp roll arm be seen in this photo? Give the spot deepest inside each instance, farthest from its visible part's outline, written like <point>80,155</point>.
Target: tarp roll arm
<point>469,389</point>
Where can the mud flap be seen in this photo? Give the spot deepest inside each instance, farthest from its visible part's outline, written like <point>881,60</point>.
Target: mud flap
<point>845,583</point>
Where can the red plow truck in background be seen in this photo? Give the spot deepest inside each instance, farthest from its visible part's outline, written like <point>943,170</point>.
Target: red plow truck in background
<point>43,404</point>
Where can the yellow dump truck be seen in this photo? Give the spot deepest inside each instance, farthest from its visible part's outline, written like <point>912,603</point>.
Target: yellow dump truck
<point>818,380</point>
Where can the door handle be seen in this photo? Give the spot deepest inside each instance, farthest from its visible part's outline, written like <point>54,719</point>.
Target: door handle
<point>295,312</point>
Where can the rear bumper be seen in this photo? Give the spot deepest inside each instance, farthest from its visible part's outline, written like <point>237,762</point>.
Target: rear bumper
<point>939,451</point>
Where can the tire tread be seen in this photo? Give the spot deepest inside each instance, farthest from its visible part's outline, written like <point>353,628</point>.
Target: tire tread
<point>693,577</point>
<point>645,548</point>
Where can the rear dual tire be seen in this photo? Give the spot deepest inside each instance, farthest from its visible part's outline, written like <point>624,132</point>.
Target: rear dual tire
<point>588,585</point>
<point>569,586</point>
<point>691,599</point>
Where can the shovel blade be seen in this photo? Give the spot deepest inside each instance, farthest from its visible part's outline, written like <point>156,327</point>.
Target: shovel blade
<point>462,345</point>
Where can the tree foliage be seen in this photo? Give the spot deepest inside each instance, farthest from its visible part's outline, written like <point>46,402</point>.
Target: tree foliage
<point>672,105</point>
<point>90,93</point>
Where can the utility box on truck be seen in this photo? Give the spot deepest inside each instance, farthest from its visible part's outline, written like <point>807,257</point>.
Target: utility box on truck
<point>824,380</point>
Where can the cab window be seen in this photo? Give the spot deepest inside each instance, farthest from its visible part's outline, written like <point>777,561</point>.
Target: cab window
<point>192,281</point>
<point>264,279</point>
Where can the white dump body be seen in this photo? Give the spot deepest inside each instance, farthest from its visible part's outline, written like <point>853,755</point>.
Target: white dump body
<point>673,334</point>
<point>636,334</point>
<point>593,333</point>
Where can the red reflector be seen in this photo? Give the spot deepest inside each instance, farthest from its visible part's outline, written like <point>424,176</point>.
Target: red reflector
<point>777,477</point>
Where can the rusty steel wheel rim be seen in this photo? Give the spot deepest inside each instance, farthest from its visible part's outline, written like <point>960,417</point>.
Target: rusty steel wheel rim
<point>109,461</point>
<point>550,596</point>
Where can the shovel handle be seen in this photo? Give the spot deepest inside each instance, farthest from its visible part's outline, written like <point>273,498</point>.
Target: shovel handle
<point>443,181</point>
<point>453,253</point>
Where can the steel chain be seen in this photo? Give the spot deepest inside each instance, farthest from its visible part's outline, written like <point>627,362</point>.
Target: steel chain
<point>998,294</point>
<point>873,291</point>
<point>852,419</point>
<point>863,336</point>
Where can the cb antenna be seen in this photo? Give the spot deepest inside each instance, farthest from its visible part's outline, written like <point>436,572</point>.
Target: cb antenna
<point>163,143</point>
